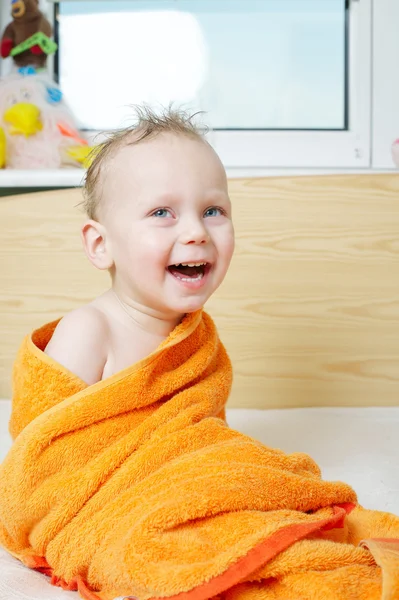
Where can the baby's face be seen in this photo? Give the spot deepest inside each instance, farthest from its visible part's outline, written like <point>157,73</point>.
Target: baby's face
<point>168,219</point>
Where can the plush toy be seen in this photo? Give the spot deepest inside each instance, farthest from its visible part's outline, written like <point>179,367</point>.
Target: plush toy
<point>37,130</point>
<point>27,22</point>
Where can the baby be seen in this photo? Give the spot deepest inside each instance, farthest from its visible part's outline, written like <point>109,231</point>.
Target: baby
<point>135,487</point>
<point>159,220</point>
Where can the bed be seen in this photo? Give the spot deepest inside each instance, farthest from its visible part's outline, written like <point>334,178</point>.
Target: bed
<point>309,313</point>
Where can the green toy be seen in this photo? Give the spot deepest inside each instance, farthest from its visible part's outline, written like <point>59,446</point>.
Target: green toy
<point>38,39</point>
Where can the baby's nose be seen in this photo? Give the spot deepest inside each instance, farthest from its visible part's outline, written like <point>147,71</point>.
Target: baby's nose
<point>195,232</point>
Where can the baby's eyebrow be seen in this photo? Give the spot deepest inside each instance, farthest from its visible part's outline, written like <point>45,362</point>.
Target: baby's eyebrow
<point>167,198</point>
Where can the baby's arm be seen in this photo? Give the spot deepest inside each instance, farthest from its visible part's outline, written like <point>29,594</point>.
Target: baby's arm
<point>80,343</point>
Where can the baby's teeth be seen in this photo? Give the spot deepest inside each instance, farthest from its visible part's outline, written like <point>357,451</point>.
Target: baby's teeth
<point>199,276</point>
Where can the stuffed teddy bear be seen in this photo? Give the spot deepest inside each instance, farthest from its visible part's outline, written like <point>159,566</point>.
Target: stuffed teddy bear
<point>27,21</point>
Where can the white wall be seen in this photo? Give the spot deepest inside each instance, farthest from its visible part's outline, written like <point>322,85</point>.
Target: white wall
<point>385,126</point>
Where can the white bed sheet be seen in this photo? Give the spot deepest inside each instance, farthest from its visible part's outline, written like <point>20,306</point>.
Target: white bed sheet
<point>357,445</point>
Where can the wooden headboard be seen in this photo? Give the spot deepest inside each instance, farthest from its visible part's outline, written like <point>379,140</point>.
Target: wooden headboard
<point>309,311</point>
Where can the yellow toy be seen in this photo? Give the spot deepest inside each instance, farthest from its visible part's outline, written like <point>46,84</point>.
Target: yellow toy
<point>24,119</point>
<point>80,154</point>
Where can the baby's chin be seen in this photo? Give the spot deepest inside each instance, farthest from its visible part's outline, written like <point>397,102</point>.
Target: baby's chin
<point>187,305</point>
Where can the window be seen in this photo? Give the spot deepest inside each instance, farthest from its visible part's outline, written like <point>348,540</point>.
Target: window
<point>284,83</point>
<point>274,64</point>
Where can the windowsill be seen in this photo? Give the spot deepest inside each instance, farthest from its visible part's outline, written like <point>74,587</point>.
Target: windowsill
<point>42,178</point>
<point>14,178</point>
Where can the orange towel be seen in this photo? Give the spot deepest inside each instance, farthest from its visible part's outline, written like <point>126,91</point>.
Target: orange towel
<point>135,486</point>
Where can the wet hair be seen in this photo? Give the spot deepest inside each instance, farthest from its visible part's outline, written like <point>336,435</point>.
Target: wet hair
<point>148,124</point>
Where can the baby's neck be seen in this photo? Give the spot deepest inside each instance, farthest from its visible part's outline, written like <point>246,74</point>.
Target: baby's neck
<point>139,317</point>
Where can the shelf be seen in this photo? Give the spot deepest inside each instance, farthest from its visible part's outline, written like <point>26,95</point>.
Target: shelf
<point>41,178</point>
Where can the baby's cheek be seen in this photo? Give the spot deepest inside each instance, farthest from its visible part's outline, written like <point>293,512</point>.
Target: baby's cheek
<point>158,244</point>
<point>228,246</point>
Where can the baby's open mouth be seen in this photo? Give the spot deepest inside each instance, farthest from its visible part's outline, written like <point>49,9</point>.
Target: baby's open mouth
<point>189,271</point>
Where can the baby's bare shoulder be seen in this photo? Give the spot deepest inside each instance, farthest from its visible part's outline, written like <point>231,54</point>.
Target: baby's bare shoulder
<point>88,317</point>
<point>80,343</point>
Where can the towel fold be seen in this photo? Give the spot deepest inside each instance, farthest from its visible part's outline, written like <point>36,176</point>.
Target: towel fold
<point>136,487</point>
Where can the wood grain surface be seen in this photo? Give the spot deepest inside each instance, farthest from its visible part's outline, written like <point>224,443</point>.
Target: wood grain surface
<point>309,311</point>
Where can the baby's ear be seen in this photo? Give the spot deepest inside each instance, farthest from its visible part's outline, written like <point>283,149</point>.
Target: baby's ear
<point>96,245</point>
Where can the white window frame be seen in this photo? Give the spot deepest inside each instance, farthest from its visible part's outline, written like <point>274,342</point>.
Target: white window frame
<point>350,149</point>
<point>316,149</point>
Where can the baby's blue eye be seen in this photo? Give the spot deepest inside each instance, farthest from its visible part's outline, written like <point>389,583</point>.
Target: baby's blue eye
<point>162,213</point>
<point>214,211</point>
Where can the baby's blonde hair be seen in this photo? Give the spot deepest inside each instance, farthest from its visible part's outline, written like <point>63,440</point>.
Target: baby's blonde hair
<point>148,124</point>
